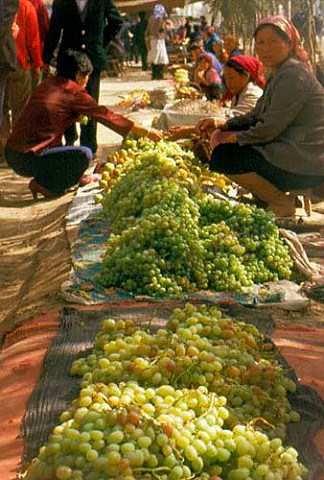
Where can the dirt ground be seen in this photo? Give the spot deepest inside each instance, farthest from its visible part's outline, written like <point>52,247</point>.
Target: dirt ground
<point>34,247</point>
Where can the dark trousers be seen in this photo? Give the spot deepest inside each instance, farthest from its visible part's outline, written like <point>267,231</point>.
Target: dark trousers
<point>88,136</point>
<point>3,83</point>
<point>56,169</point>
<point>233,159</point>
<point>143,53</point>
<point>157,71</point>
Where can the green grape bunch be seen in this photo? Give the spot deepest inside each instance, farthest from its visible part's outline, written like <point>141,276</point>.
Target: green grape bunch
<point>169,237</point>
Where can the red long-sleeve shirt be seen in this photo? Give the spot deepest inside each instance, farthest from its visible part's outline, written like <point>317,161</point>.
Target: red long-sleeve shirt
<point>27,42</point>
<point>52,108</point>
<point>43,19</point>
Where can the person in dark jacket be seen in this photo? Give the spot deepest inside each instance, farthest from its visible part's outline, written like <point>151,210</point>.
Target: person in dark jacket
<point>34,148</point>
<point>279,145</point>
<point>8,56</point>
<point>87,26</point>
<point>139,39</point>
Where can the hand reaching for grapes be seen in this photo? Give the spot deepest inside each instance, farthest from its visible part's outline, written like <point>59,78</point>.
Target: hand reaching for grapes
<point>176,133</point>
<point>151,133</point>
<point>206,126</point>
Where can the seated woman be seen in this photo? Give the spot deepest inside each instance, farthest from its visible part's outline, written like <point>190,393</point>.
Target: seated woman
<point>34,148</point>
<point>245,81</point>
<point>279,145</point>
<point>207,77</point>
<point>218,50</point>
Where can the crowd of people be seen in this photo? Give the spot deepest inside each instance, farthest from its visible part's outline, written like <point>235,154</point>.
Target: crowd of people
<point>272,143</point>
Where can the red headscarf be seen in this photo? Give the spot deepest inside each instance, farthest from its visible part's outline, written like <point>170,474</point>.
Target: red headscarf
<point>291,32</point>
<point>253,66</point>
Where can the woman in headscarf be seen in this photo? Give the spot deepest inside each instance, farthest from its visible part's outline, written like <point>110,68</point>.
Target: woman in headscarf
<point>245,82</point>
<point>279,145</point>
<point>155,38</point>
<point>207,77</point>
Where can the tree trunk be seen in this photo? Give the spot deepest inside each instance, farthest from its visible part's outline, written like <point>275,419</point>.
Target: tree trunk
<point>310,33</point>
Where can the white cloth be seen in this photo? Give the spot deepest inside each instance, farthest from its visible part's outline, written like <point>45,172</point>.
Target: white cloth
<point>81,4</point>
<point>246,100</point>
<point>158,53</point>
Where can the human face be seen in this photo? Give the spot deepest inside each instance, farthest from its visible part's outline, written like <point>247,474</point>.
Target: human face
<point>271,49</point>
<point>229,44</point>
<point>204,64</point>
<point>217,48</point>
<point>235,81</point>
<point>81,79</point>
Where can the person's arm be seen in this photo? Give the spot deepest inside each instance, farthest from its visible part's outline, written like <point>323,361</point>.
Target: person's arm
<point>198,75</point>
<point>113,21</point>
<point>84,104</point>
<point>33,40</point>
<point>288,97</point>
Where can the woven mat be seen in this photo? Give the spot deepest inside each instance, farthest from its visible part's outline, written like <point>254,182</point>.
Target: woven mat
<point>56,389</point>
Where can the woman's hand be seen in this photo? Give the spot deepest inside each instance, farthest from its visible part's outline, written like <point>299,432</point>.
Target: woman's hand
<point>206,126</point>
<point>230,138</point>
<point>154,134</point>
<point>175,133</point>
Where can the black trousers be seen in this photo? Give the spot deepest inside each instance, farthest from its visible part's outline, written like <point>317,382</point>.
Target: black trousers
<point>88,136</point>
<point>56,169</point>
<point>233,159</point>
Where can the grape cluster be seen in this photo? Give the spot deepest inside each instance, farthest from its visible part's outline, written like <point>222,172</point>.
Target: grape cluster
<point>135,419</point>
<point>133,151</point>
<point>170,237</point>
<point>198,347</point>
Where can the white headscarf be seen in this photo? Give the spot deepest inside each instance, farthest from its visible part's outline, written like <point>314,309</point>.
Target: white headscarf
<point>159,11</point>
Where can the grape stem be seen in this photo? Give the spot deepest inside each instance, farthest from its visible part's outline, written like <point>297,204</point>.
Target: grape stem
<point>261,420</point>
<point>154,471</point>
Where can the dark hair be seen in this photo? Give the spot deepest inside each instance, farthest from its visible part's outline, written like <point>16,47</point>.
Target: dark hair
<point>238,68</point>
<point>72,62</point>
<point>194,46</point>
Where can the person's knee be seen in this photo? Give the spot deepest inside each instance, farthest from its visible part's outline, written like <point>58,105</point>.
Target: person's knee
<point>218,162</point>
<point>87,153</point>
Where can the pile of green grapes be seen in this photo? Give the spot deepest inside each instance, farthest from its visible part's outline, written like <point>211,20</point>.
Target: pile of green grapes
<point>142,423</point>
<point>198,347</point>
<point>169,236</point>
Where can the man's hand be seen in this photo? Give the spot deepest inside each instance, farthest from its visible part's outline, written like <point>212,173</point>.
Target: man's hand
<point>151,133</point>
<point>154,134</point>
<point>36,72</point>
<point>46,69</point>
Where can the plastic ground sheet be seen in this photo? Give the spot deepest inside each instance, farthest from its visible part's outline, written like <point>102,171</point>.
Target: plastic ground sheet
<point>83,287</point>
<point>56,389</point>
